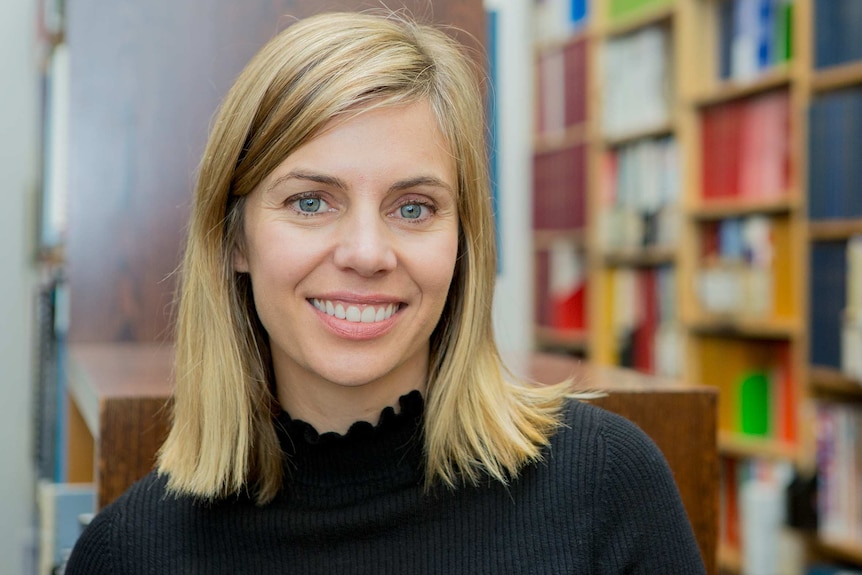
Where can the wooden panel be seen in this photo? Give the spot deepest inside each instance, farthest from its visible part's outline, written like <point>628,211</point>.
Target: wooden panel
<point>132,431</point>
<point>146,78</point>
<point>122,393</point>
<point>80,446</point>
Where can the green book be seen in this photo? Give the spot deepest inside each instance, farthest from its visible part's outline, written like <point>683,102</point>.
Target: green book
<point>754,403</point>
<point>620,9</point>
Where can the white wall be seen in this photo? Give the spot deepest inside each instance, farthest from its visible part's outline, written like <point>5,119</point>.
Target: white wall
<point>18,153</point>
<point>513,304</point>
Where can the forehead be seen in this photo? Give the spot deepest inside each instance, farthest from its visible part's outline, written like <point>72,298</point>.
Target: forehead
<point>376,143</point>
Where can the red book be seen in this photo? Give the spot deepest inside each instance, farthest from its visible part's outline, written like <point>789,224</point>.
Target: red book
<point>569,312</point>
<point>575,85</point>
<point>644,336</point>
<point>730,511</point>
<point>787,425</point>
<point>559,182</point>
<point>738,117</point>
<point>567,281</point>
<point>543,291</point>
<point>720,127</point>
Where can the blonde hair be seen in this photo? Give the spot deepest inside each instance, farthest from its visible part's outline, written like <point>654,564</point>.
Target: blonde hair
<point>477,421</point>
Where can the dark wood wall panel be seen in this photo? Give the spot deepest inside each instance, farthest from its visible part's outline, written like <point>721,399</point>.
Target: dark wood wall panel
<point>146,79</point>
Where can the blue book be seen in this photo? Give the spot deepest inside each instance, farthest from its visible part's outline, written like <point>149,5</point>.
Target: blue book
<point>731,239</point>
<point>850,154</point>
<point>578,13</point>
<point>826,31</point>
<point>833,162</point>
<point>765,49</point>
<point>852,21</point>
<point>828,298</point>
<point>725,37</point>
<point>817,137</point>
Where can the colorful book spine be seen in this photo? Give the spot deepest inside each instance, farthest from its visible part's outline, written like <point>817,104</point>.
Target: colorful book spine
<point>556,20</point>
<point>636,72</point>
<point>744,147</point>
<point>621,9</point>
<point>737,276</point>
<point>562,92</point>
<point>834,148</point>
<point>836,32</point>
<point>754,37</point>
<point>839,469</point>
<point>561,288</point>
<point>559,189</point>
<point>645,320</point>
<point>640,202</point>
<point>828,281</point>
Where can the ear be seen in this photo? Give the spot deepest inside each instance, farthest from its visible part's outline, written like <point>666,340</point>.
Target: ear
<point>240,263</point>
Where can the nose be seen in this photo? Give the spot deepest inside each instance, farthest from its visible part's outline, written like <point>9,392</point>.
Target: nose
<point>365,244</point>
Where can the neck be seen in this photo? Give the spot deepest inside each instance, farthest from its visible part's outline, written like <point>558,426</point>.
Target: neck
<point>332,406</point>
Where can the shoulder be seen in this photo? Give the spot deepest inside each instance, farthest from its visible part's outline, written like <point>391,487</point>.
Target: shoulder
<point>605,437</point>
<point>100,548</point>
<point>614,459</point>
<point>640,524</point>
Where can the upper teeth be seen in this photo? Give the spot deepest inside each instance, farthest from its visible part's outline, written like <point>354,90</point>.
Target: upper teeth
<point>369,314</point>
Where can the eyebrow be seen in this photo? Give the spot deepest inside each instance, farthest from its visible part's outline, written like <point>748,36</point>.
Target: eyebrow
<point>398,186</point>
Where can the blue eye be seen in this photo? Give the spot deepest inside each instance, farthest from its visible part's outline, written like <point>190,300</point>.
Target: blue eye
<point>309,205</point>
<point>411,211</point>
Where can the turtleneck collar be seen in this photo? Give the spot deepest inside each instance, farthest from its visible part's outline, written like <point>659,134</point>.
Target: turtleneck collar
<point>382,457</point>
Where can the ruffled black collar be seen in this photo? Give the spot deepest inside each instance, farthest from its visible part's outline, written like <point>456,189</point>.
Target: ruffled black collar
<point>366,458</point>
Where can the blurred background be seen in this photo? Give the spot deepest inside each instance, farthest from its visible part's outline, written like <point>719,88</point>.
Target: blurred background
<point>678,188</point>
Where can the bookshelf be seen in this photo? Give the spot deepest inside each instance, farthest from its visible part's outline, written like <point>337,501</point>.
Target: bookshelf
<point>834,85</point>
<point>763,102</point>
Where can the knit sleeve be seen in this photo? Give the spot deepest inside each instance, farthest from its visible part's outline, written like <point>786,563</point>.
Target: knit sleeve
<point>642,527</point>
<point>94,551</point>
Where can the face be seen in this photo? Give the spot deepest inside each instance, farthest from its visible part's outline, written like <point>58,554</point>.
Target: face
<point>351,245</point>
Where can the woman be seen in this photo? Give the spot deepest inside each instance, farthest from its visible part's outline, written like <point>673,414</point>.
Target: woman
<point>340,406</point>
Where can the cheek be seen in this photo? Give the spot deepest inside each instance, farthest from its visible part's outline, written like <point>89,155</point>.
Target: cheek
<point>437,268</point>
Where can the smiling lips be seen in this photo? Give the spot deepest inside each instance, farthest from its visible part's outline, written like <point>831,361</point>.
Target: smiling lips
<point>356,313</point>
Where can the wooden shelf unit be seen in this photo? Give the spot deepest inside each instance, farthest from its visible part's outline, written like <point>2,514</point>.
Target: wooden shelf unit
<point>697,89</point>
<point>640,257</point>
<point>831,230</point>
<point>657,131</point>
<point>721,209</point>
<point>730,90</point>
<point>649,16</point>
<point>565,339</point>
<point>837,77</point>
<point>118,397</point>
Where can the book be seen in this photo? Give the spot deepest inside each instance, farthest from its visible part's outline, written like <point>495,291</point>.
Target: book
<point>754,36</point>
<point>640,196</point>
<point>745,154</point>
<point>836,32</point>
<point>558,19</point>
<point>561,287</point>
<point>559,189</point>
<point>828,283</point>
<point>839,469</point>
<point>637,71</point>
<point>561,87</point>
<point>738,275</point>
<point>621,9</point>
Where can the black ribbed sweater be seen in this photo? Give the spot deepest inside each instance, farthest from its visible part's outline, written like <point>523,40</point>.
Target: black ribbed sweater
<point>603,501</point>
